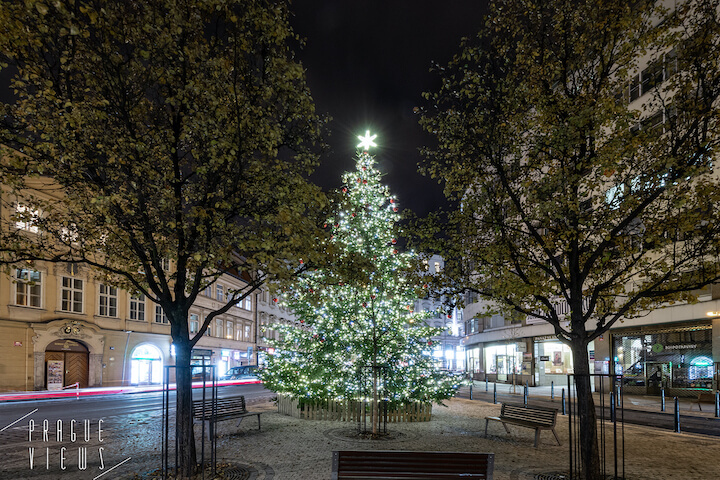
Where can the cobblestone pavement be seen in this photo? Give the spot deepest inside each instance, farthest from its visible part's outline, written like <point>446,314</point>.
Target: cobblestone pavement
<point>292,449</point>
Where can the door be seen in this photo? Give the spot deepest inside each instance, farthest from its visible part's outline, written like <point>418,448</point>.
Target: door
<point>502,368</point>
<point>76,368</point>
<point>74,356</point>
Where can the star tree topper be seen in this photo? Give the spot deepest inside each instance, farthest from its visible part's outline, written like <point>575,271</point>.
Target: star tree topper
<point>366,141</point>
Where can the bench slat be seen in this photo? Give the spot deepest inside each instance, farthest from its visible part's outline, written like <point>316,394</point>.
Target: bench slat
<point>398,464</point>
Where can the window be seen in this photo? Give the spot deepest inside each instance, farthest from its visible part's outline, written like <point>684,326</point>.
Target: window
<point>160,316</point>
<point>71,295</point>
<point>635,88</point>
<point>247,333</point>
<point>28,288</point>
<point>218,328</point>
<point>248,303</point>
<point>437,267</point>
<point>137,308</point>
<point>165,264</point>
<point>26,218</point>
<point>220,292</point>
<point>194,323</point>
<point>652,76</point>
<point>229,328</point>
<point>208,291</point>
<point>108,301</point>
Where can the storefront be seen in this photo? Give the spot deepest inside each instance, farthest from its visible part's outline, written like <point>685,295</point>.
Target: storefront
<point>146,365</point>
<point>508,362</point>
<point>554,361</point>
<point>677,358</point>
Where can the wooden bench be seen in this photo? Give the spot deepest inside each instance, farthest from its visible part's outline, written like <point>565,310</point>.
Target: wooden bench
<point>400,464</point>
<point>227,409</point>
<point>530,417</point>
<point>704,397</point>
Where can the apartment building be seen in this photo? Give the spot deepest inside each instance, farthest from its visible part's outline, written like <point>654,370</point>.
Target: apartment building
<point>675,347</point>
<point>61,326</point>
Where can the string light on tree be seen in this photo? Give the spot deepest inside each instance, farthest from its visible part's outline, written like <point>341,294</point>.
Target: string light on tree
<point>358,313</point>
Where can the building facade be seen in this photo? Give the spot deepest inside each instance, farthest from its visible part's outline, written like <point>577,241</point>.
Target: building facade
<point>62,326</point>
<point>675,348</point>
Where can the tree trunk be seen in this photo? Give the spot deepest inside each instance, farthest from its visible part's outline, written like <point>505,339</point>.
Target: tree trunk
<point>589,455</point>
<point>183,422</point>
<point>375,407</point>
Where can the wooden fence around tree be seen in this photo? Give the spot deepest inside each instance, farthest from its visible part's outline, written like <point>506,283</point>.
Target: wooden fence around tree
<point>350,411</point>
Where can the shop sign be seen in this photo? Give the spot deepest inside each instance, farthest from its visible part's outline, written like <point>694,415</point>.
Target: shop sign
<point>544,358</point>
<point>224,353</point>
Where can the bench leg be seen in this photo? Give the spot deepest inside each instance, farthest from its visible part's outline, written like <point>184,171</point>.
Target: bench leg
<point>537,437</point>
<point>486,424</point>
<point>506,427</point>
<point>258,415</point>
<point>556,436</point>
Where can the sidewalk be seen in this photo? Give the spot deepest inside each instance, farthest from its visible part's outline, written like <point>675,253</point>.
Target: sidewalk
<point>648,403</point>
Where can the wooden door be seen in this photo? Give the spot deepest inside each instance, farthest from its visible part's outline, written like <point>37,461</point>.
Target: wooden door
<point>76,368</point>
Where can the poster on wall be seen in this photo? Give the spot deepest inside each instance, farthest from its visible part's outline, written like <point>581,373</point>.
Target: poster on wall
<point>55,371</point>
<point>557,358</point>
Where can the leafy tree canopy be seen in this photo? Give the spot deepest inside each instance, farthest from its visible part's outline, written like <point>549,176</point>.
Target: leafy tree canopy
<point>579,138</point>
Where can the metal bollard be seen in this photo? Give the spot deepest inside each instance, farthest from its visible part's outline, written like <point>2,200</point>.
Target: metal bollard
<point>486,384</point>
<point>552,391</point>
<point>494,392</point>
<point>717,404</point>
<point>677,415</point>
<point>471,385</point>
<point>525,394</point>
<point>563,402</point>
<point>662,399</point>
<point>612,407</point>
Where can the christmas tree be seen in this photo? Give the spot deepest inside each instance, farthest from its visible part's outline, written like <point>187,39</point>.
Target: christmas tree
<point>358,337</point>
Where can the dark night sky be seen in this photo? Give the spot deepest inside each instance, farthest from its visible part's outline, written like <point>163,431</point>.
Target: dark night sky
<point>367,65</point>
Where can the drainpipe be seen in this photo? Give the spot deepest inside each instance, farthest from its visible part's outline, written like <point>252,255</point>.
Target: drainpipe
<point>122,383</point>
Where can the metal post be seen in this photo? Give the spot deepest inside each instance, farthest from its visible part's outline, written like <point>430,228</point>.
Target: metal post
<point>471,385</point>
<point>563,402</point>
<point>717,404</point>
<point>677,415</point>
<point>525,394</point>
<point>486,383</point>
<point>612,407</point>
<point>494,392</point>
<point>552,391</point>
<point>662,399</point>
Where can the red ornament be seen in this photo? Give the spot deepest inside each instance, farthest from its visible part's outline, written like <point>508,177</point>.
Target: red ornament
<point>301,261</point>
<point>364,168</point>
<point>359,180</point>
<point>392,200</point>
<point>325,225</point>
<point>353,214</point>
<point>275,300</point>
<point>344,190</point>
<point>449,315</point>
<point>394,241</point>
<point>425,286</point>
<point>372,296</point>
<point>364,304</point>
<point>395,251</point>
<point>365,182</point>
<point>395,209</point>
